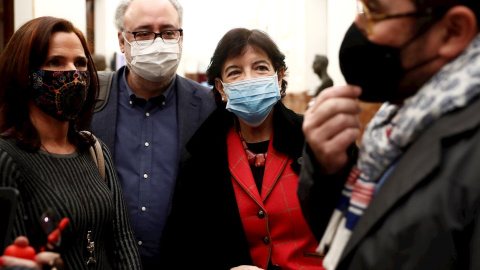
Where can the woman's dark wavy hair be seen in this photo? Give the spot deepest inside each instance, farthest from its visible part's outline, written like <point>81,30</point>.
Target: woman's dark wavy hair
<point>25,52</point>
<point>233,44</point>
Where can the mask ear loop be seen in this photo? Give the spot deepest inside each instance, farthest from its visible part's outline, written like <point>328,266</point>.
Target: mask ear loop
<point>279,82</point>
<point>223,90</point>
<point>424,23</point>
<point>124,38</point>
<point>129,64</point>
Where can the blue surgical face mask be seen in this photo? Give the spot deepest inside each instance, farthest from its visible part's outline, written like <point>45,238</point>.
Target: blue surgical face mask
<point>252,99</point>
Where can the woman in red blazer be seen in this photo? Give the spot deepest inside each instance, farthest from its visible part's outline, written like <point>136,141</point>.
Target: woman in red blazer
<point>235,205</point>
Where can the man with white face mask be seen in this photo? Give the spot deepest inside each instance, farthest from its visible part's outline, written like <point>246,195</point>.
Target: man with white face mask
<point>150,114</point>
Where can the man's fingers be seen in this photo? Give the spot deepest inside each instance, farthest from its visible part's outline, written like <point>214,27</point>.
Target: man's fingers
<point>332,154</point>
<point>323,135</point>
<point>346,137</point>
<point>330,141</point>
<point>336,125</point>
<point>347,91</point>
<point>331,126</point>
<point>329,109</point>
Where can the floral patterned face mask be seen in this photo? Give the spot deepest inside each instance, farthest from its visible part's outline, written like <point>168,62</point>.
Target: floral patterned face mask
<point>60,94</point>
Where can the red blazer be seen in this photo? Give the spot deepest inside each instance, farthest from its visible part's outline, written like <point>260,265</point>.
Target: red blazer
<point>273,222</point>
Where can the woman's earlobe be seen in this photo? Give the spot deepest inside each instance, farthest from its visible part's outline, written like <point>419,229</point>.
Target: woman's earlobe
<point>280,75</point>
<point>219,87</point>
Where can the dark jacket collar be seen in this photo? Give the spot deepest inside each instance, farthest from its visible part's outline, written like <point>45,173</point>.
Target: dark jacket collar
<point>419,162</point>
<point>287,127</point>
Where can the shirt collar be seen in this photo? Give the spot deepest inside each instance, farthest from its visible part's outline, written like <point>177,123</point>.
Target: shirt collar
<point>159,100</point>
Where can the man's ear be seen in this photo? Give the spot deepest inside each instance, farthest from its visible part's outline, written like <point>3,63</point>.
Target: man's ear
<point>461,28</point>
<point>219,87</point>
<point>121,42</point>
<point>180,42</point>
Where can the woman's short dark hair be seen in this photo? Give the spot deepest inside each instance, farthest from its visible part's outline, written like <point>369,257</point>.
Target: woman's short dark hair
<point>234,43</point>
<point>26,51</point>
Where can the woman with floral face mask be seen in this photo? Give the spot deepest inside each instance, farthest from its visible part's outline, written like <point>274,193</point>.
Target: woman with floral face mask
<point>236,204</point>
<point>47,93</point>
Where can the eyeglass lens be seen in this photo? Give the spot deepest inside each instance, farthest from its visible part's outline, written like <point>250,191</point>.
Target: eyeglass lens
<point>364,13</point>
<point>168,36</point>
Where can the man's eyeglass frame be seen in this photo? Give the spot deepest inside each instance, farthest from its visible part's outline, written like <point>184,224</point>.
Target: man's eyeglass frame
<point>169,41</point>
<point>371,19</point>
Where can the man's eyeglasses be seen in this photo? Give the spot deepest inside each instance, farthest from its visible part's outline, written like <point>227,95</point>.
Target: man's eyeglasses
<point>146,38</point>
<point>370,19</point>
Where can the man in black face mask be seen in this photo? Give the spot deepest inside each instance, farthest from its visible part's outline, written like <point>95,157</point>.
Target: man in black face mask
<point>409,198</point>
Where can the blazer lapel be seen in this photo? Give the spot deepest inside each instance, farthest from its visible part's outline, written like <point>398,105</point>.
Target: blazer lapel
<point>413,168</point>
<point>104,122</point>
<point>239,166</point>
<point>188,111</point>
<point>274,167</point>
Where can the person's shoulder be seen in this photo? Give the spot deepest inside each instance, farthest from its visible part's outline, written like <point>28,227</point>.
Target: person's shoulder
<point>10,152</point>
<point>105,149</point>
<point>191,84</point>
<point>288,113</point>
<point>8,144</point>
<point>107,85</point>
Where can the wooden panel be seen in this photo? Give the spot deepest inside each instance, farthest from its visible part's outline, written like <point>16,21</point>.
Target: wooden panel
<point>91,25</point>
<point>368,111</point>
<point>298,102</point>
<point>6,22</point>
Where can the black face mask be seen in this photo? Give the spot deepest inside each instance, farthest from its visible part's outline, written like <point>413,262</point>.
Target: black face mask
<point>375,68</point>
<point>60,94</point>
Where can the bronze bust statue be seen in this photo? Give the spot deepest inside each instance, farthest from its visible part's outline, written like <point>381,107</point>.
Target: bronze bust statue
<point>320,64</point>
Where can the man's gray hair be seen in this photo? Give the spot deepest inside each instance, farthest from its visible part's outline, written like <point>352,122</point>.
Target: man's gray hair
<point>123,5</point>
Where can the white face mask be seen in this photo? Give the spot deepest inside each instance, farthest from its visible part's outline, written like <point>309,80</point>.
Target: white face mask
<point>155,62</point>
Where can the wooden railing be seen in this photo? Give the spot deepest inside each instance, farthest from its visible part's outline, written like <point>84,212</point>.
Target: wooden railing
<point>298,102</point>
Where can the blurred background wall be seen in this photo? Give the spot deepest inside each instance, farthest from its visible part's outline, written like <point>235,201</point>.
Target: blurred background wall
<point>301,28</point>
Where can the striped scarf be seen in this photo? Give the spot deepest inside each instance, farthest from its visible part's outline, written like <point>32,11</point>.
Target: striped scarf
<point>391,130</point>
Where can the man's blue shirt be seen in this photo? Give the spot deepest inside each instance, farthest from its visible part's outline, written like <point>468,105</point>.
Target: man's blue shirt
<point>146,152</point>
